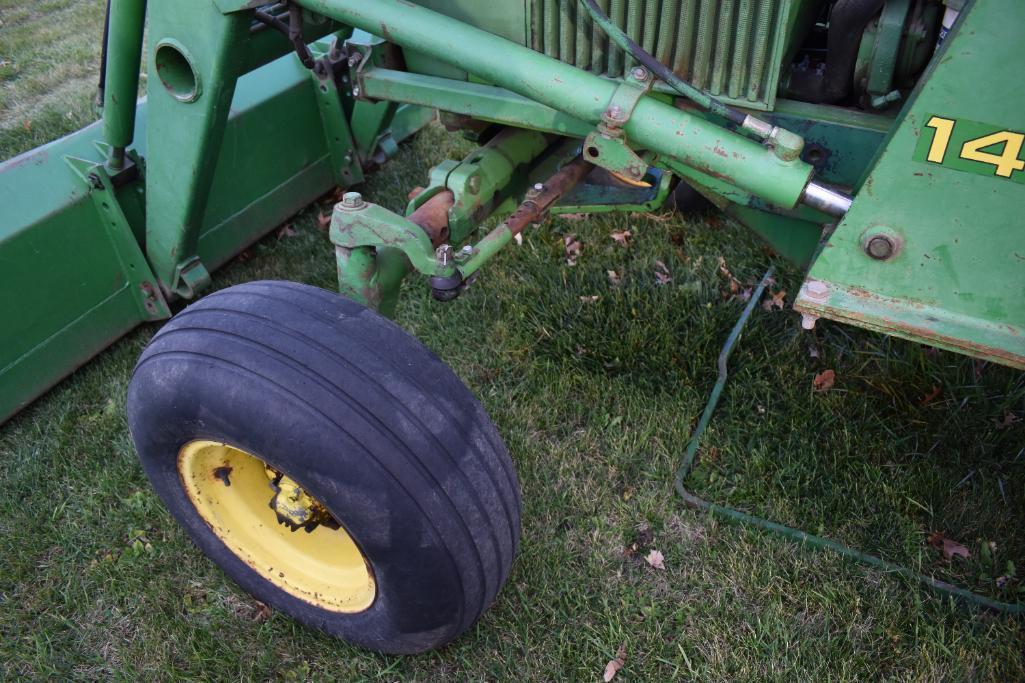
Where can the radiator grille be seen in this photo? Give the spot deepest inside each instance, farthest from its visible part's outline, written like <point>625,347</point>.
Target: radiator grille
<point>728,47</point>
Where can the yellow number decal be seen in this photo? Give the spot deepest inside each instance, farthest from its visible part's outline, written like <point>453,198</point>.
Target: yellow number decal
<point>940,139</point>
<point>1006,162</point>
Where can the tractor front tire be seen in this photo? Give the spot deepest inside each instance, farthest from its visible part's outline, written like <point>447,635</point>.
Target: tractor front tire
<point>329,463</point>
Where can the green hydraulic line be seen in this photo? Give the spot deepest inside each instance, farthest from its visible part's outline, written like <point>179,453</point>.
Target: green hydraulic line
<point>121,82</point>
<point>653,124</point>
<point>787,145</point>
<point>802,537</point>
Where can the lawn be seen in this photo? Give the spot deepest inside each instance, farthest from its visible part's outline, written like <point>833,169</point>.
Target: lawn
<point>595,389</point>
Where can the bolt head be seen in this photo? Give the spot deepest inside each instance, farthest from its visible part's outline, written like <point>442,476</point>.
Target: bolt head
<point>880,247</point>
<point>640,73</point>
<point>355,91</point>
<point>817,290</point>
<point>352,200</point>
<point>467,250</point>
<point>538,187</point>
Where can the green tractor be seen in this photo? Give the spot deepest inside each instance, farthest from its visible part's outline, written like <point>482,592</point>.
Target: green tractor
<point>323,457</point>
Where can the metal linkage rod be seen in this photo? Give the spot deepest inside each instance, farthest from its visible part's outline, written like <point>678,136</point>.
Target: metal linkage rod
<point>653,125</point>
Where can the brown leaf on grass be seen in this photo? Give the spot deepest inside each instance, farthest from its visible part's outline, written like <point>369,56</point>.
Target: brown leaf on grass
<point>574,216</point>
<point>573,247</point>
<point>622,238</point>
<point>655,559</point>
<point>589,299</point>
<point>286,231</point>
<point>262,612</point>
<point>823,381</point>
<point>933,394</point>
<point>27,125</point>
<point>246,255</point>
<point>948,547</point>
<point>1007,420</point>
<point>613,667</point>
<point>614,277</point>
<point>774,300</point>
<point>724,270</point>
<point>662,276</point>
<point>323,221</point>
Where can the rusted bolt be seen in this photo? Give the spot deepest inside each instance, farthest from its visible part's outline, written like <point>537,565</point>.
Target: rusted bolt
<point>352,200</point>
<point>640,74</point>
<point>615,114</point>
<point>880,247</point>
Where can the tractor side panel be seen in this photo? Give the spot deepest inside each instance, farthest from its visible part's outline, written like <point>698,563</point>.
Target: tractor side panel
<point>946,198</point>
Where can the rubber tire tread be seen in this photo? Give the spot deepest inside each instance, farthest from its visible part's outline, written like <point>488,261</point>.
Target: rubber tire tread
<point>366,418</point>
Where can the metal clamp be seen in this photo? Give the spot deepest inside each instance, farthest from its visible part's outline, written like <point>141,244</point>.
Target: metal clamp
<point>607,146</point>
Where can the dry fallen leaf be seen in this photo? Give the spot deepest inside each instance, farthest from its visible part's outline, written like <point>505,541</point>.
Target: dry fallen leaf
<point>949,547</point>
<point>589,299</point>
<point>662,274</point>
<point>518,238</point>
<point>655,559</point>
<point>574,216</point>
<point>622,238</point>
<point>724,270</point>
<point>614,278</point>
<point>263,612</point>
<point>573,248</point>
<point>824,380</point>
<point>323,221</point>
<point>931,396</point>
<point>774,300</point>
<point>287,231</point>
<point>616,664</point>
<point>1007,420</point>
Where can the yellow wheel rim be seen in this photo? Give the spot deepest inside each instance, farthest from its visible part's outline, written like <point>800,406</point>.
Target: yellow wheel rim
<point>232,493</point>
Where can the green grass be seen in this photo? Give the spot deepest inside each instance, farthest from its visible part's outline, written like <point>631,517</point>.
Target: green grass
<point>596,402</point>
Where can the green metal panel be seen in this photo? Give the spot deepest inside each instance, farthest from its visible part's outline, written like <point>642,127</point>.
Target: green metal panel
<point>957,277</point>
<point>74,294</point>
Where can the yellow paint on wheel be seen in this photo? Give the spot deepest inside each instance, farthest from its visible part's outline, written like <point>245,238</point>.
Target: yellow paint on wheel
<point>232,493</point>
